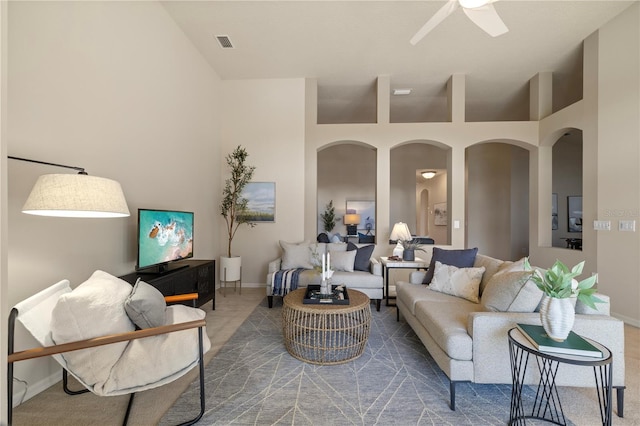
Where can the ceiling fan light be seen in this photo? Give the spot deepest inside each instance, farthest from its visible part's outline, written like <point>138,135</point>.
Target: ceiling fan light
<point>472,4</point>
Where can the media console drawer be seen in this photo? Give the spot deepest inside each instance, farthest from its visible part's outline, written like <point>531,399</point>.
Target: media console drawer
<point>187,276</point>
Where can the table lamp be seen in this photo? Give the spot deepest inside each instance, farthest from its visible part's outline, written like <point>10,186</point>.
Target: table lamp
<point>399,233</point>
<point>352,221</point>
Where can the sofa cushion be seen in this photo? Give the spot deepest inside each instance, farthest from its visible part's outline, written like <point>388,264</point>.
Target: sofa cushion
<point>145,305</point>
<point>459,282</point>
<point>363,255</point>
<point>410,294</point>
<point>446,322</point>
<point>95,308</point>
<point>491,265</point>
<point>343,260</point>
<point>296,255</point>
<point>459,258</point>
<point>511,291</point>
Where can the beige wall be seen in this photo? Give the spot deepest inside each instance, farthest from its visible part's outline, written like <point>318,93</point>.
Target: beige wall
<point>267,118</point>
<point>618,187</point>
<point>118,89</point>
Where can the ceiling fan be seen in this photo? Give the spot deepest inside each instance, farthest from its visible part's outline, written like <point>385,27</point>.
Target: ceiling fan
<point>481,12</point>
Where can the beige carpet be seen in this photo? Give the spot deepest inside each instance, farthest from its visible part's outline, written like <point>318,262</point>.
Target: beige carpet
<point>54,407</point>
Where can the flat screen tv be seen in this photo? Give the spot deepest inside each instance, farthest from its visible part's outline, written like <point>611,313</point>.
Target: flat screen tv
<point>164,236</point>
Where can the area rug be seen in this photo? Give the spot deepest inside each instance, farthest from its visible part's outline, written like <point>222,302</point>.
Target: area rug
<point>254,381</point>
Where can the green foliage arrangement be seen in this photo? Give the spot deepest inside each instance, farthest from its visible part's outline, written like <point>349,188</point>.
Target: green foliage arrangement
<point>233,206</point>
<point>329,217</point>
<point>411,245</point>
<point>560,282</point>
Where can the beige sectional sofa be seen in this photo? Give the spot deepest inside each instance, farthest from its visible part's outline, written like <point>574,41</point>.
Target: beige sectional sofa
<point>362,273</point>
<point>469,340</point>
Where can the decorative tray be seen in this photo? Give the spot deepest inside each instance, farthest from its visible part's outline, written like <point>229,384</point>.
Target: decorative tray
<point>338,296</point>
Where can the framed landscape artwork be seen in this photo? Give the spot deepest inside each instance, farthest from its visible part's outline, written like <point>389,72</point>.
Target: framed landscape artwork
<point>261,204</point>
<point>574,204</point>
<point>440,214</point>
<point>554,211</point>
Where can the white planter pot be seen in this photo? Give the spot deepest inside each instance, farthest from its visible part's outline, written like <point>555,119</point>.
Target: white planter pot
<point>230,268</point>
<point>557,316</point>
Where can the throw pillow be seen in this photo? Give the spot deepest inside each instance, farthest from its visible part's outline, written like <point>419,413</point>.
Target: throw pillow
<point>145,305</point>
<point>511,291</point>
<point>343,260</point>
<point>336,238</point>
<point>363,255</point>
<point>296,255</point>
<point>323,237</point>
<point>460,258</point>
<point>459,282</point>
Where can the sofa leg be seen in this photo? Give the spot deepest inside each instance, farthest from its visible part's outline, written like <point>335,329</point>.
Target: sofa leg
<point>378,305</point>
<point>452,395</point>
<point>270,301</point>
<point>397,314</point>
<point>620,400</point>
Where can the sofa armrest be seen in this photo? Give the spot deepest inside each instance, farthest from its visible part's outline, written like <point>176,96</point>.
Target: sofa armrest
<point>416,277</point>
<point>274,265</point>
<point>490,345</point>
<point>601,308</point>
<point>375,267</point>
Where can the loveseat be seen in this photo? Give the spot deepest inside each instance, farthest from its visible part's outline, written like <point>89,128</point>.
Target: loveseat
<point>468,339</point>
<point>353,265</point>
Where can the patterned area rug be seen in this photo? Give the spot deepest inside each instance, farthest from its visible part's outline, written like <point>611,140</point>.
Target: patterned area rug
<point>254,381</point>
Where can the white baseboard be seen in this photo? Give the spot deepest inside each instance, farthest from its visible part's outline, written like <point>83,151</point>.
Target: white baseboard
<point>627,320</point>
<point>33,389</point>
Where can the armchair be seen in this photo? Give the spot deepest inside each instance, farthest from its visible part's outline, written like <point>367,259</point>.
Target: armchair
<point>89,333</point>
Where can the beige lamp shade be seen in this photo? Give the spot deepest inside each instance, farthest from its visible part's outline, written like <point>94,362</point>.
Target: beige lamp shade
<point>400,232</point>
<point>76,195</point>
<point>351,219</point>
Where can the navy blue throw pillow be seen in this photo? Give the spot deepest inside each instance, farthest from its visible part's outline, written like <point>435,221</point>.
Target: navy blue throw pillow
<point>459,258</point>
<point>363,255</point>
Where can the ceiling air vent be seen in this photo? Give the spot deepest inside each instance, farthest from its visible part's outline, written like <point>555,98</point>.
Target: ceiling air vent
<point>224,41</point>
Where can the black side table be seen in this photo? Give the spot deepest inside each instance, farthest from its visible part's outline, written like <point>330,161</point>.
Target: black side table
<point>546,405</point>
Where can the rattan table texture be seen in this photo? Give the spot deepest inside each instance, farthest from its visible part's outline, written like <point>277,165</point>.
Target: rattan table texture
<point>326,334</point>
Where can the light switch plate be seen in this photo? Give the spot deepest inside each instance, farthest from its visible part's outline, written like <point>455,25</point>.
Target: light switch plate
<point>602,225</point>
<point>627,225</point>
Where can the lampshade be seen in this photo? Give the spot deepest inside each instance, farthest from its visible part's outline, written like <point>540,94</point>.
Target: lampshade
<point>428,174</point>
<point>76,195</point>
<point>351,219</point>
<point>400,232</point>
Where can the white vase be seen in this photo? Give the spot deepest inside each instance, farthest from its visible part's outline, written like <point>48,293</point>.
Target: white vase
<point>557,316</point>
<point>230,268</point>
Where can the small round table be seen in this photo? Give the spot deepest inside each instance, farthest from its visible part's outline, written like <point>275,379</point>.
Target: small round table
<point>547,404</point>
<point>326,334</point>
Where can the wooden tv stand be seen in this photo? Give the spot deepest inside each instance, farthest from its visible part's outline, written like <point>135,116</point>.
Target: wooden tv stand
<point>187,276</point>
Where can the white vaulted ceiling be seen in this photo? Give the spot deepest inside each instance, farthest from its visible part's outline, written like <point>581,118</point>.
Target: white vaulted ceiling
<point>345,45</point>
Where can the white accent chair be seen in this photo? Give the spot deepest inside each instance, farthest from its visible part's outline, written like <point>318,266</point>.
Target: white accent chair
<point>116,359</point>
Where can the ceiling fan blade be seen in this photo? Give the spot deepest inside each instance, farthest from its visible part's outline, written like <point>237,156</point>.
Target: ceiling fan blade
<point>488,19</point>
<point>439,16</point>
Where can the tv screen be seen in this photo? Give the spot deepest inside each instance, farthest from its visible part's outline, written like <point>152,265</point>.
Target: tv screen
<point>164,236</point>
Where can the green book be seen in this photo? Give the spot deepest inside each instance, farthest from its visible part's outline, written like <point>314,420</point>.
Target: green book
<point>573,345</point>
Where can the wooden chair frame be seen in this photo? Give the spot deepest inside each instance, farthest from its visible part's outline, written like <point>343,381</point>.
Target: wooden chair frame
<point>43,351</point>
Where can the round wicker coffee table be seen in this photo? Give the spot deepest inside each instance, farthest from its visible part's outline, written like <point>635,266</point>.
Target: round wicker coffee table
<point>326,334</point>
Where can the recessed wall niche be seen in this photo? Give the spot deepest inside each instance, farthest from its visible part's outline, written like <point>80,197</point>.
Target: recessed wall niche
<point>566,182</point>
<point>346,172</point>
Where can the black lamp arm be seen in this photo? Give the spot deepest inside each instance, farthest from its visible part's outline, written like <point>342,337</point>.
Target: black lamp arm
<point>80,170</point>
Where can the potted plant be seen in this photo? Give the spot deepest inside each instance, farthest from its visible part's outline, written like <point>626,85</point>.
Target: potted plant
<point>559,285</point>
<point>410,247</point>
<point>329,217</point>
<point>234,208</point>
